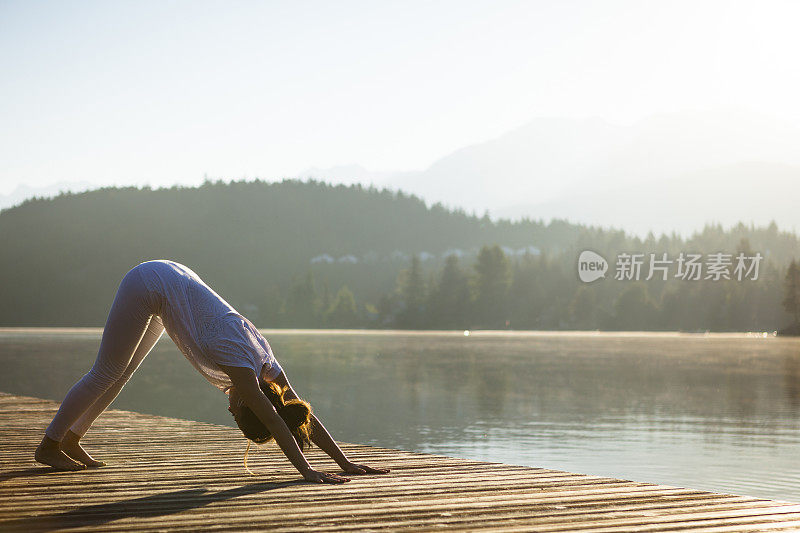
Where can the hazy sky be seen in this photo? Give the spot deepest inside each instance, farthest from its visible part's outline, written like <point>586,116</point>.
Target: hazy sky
<point>165,92</point>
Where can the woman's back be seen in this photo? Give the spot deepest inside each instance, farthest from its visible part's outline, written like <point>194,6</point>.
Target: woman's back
<point>206,328</point>
<point>186,301</point>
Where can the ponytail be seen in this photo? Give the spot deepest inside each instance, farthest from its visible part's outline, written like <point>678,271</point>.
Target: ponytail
<point>295,413</point>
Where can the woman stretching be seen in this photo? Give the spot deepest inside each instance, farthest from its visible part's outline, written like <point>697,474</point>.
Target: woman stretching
<point>223,345</point>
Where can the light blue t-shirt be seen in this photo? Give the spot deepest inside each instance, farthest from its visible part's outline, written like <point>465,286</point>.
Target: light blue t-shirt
<point>206,328</point>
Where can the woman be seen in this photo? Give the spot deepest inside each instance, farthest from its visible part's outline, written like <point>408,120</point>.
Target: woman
<point>221,344</point>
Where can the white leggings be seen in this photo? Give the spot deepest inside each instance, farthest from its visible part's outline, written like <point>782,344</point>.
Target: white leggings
<point>132,329</point>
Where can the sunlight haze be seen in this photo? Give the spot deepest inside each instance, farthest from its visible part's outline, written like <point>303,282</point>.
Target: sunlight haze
<point>162,93</point>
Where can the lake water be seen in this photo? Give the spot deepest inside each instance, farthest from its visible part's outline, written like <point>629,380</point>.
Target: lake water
<point>714,412</point>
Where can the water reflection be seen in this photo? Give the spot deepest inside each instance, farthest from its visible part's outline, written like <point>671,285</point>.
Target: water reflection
<point>792,380</point>
<point>713,412</point>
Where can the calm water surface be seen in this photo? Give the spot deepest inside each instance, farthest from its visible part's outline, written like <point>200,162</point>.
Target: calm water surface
<point>711,412</point>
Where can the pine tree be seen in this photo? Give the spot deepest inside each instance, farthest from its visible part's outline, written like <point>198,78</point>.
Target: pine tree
<point>449,299</point>
<point>343,313</point>
<point>301,302</point>
<point>491,286</point>
<point>791,300</point>
<point>633,308</point>
<point>411,286</point>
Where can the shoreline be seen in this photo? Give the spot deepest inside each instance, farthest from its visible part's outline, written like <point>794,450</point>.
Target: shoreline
<point>60,330</point>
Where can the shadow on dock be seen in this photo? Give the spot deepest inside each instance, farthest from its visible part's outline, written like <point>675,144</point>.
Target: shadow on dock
<point>153,506</point>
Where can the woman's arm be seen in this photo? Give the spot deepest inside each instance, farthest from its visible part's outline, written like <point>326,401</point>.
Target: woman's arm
<point>246,384</point>
<point>323,439</point>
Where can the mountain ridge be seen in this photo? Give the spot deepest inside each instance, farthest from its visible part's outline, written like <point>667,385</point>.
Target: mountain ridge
<point>528,171</point>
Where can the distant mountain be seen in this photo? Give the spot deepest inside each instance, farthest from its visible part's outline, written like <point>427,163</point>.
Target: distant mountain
<point>668,172</point>
<point>751,192</point>
<point>555,167</point>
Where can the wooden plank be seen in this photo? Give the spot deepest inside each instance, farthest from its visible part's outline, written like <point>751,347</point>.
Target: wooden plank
<point>169,474</point>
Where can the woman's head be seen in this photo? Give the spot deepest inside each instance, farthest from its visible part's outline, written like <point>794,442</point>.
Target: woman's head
<point>295,413</point>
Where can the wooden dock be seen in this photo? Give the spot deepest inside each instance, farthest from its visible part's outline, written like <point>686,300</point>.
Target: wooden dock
<point>169,474</point>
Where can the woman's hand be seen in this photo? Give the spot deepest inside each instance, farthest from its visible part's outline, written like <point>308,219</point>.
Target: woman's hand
<point>352,468</point>
<point>322,477</point>
<point>325,442</point>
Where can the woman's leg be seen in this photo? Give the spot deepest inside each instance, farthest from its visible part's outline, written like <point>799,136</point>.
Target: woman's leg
<point>127,322</point>
<point>70,444</point>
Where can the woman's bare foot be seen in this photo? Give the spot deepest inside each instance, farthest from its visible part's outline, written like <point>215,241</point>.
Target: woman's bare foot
<point>49,453</point>
<point>71,446</point>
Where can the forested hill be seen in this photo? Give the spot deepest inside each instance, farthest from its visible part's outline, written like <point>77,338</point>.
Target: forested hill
<point>62,258</point>
<point>309,254</point>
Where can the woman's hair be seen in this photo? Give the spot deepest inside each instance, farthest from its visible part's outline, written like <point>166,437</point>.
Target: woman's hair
<point>296,413</point>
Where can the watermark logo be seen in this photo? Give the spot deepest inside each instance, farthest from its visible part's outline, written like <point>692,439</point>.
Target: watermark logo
<point>591,266</point>
<point>686,266</point>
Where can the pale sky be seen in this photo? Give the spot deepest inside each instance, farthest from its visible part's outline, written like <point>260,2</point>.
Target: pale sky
<point>158,93</point>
